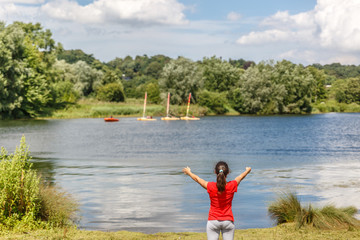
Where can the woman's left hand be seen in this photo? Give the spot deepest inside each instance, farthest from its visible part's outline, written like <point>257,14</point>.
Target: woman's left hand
<point>187,170</point>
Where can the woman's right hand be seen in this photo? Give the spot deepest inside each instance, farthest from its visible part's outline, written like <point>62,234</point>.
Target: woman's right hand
<point>248,169</point>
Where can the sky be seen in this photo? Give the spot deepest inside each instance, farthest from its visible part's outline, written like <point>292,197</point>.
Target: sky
<point>301,31</point>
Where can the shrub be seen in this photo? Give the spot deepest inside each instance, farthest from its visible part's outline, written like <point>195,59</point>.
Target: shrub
<point>287,208</point>
<point>58,208</point>
<point>112,92</point>
<point>215,101</point>
<point>19,186</point>
<point>23,203</point>
<point>65,92</point>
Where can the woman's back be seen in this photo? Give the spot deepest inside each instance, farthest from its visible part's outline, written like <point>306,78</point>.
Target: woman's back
<point>221,203</point>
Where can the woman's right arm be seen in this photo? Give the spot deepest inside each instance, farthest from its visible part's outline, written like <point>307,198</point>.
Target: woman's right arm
<point>239,178</point>
<point>196,178</point>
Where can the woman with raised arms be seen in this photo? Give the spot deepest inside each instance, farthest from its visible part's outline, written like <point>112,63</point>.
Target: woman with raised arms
<point>221,194</point>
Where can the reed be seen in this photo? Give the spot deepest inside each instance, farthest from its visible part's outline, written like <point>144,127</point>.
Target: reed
<point>287,209</point>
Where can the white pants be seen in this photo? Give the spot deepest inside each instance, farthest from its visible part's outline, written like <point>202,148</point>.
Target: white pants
<point>214,227</point>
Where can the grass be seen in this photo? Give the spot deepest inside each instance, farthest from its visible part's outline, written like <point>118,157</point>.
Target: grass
<point>281,232</point>
<point>91,108</point>
<point>334,106</point>
<point>287,209</point>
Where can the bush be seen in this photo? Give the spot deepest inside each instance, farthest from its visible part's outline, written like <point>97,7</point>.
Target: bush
<point>23,203</point>
<point>112,92</point>
<point>216,102</point>
<point>65,92</point>
<point>287,208</point>
<point>58,208</point>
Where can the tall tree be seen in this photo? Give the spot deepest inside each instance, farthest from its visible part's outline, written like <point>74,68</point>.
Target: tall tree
<point>180,77</point>
<point>219,75</point>
<point>27,54</point>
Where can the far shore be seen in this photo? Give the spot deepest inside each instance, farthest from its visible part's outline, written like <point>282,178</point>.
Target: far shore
<point>91,108</point>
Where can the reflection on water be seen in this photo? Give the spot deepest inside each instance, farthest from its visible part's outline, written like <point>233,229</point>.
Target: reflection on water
<point>127,175</point>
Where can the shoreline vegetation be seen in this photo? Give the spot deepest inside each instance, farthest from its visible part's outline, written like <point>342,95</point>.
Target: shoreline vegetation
<point>92,108</point>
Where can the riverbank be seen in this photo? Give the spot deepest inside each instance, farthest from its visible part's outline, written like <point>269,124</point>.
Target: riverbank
<point>91,108</point>
<point>281,232</point>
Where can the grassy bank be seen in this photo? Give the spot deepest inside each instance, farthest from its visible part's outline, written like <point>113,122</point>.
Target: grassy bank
<point>90,108</point>
<point>334,106</point>
<point>281,232</point>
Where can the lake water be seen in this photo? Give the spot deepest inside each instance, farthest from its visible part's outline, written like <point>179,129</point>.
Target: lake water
<point>127,174</point>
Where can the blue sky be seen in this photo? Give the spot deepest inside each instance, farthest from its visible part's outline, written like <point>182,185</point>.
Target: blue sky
<point>302,31</point>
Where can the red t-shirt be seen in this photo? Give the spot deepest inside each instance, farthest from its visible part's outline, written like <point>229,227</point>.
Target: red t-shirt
<point>220,204</point>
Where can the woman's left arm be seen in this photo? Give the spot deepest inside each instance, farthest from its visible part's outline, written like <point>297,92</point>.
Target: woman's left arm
<point>196,178</point>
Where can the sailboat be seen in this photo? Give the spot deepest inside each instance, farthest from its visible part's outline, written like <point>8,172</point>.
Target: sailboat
<point>169,118</point>
<point>144,118</point>
<point>187,112</point>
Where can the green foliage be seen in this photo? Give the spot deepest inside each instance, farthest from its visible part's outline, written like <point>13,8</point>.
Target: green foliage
<point>180,77</point>
<point>216,102</point>
<point>112,92</point>
<point>336,70</point>
<point>319,92</point>
<point>153,92</point>
<point>334,106</point>
<point>218,75</point>
<point>347,90</point>
<point>269,88</point>
<point>19,184</point>
<point>65,92</point>
<point>287,208</point>
<point>22,203</point>
<point>241,63</point>
<point>236,100</point>
<point>86,78</point>
<point>110,77</point>
<point>26,55</point>
<point>58,208</point>
<point>73,56</point>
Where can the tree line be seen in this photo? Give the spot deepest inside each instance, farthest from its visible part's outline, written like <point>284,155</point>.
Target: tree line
<point>37,76</point>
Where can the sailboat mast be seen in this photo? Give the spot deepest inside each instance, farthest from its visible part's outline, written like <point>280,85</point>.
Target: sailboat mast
<point>168,104</point>
<point>144,104</point>
<point>187,110</point>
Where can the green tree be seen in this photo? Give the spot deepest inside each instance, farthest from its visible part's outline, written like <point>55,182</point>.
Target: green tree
<point>111,77</point>
<point>64,83</point>
<point>346,90</point>
<point>319,91</point>
<point>269,88</point>
<point>87,79</point>
<point>215,101</point>
<point>180,77</point>
<point>27,54</point>
<point>219,75</point>
<point>153,92</point>
<point>112,92</point>
<point>299,86</point>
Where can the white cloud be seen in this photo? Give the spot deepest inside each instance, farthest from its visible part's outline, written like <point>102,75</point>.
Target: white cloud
<point>129,12</point>
<point>23,1</point>
<point>331,25</point>
<point>234,16</point>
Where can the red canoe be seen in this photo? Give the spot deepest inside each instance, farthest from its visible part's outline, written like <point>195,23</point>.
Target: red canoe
<point>111,119</point>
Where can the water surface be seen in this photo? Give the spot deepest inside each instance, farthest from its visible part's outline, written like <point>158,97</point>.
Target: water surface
<point>127,174</point>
